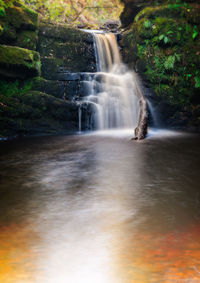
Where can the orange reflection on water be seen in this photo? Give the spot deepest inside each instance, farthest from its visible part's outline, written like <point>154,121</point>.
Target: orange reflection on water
<point>16,254</point>
<point>173,257</point>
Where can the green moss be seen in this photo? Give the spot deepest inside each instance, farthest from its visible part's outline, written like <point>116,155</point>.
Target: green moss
<point>21,16</point>
<point>63,32</point>
<point>50,67</point>
<point>27,39</point>
<point>18,25</point>
<point>1,29</point>
<point>11,88</point>
<point>34,112</point>
<point>18,62</point>
<point>168,44</point>
<point>55,88</point>
<point>64,47</point>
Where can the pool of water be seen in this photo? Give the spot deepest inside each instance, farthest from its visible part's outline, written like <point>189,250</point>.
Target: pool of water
<point>100,208</point>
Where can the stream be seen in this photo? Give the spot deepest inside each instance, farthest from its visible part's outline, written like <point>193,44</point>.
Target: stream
<point>100,208</point>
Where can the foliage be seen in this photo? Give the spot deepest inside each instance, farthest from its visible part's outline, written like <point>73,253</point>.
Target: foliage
<point>166,39</point>
<point>86,12</point>
<point>147,24</point>
<point>197,81</point>
<point>9,89</point>
<point>195,32</point>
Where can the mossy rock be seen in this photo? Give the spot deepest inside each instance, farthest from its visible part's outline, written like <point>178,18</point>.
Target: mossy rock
<point>64,47</point>
<point>22,17</point>
<point>62,50</point>
<point>18,62</point>
<point>27,39</point>
<point>72,57</point>
<point>63,33</point>
<point>132,8</point>
<point>34,113</point>
<point>163,44</point>
<point>51,87</point>
<point>18,25</point>
<point>50,67</point>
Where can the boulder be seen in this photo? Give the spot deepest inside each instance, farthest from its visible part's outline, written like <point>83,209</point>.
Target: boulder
<point>22,17</point>
<point>16,62</point>
<point>111,25</point>
<point>36,113</point>
<point>27,39</point>
<point>54,88</point>
<point>18,25</point>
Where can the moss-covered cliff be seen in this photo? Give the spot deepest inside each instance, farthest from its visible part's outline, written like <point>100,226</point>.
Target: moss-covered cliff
<point>163,45</point>
<point>32,54</point>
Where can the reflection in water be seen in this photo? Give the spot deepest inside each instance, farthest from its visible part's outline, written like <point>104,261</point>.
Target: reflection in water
<point>100,209</point>
<point>16,254</point>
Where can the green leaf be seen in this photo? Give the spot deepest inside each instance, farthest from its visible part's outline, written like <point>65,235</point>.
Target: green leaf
<point>161,36</point>
<point>197,82</point>
<point>195,32</point>
<point>178,57</point>
<point>169,62</point>
<point>147,24</point>
<point>166,39</point>
<point>2,12</point>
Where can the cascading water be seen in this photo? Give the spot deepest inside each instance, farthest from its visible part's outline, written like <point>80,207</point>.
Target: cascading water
<point>112,91</point>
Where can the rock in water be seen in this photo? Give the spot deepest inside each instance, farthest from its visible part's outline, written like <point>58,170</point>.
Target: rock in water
<point>111,25</point>
<point>141,130</point>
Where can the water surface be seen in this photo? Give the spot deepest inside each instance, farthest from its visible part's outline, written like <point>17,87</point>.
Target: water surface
<point>100,208</point>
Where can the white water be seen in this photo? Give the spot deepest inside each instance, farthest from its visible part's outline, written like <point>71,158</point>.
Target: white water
<point>113,92</point>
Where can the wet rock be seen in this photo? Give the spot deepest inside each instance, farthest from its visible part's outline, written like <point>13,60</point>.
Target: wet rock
<point>63,76</point>
<point>111,25</point>
<point>141,130</point>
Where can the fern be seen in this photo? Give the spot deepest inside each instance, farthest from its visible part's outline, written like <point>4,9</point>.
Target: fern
<point>169,62</point>
<point>197,82</point>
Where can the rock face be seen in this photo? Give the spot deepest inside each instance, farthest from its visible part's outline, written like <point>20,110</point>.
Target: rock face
<point>35,112</point>
<point>133,7</point>
<point>163,45</point>
<point>66,49</point>
<point>18,25</point>
<point>31,101</point>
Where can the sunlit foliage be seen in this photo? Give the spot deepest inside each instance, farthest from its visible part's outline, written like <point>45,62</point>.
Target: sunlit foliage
<point>85,12</point>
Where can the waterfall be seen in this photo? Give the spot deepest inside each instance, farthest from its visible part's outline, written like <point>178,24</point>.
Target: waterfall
<point>113,91</point>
